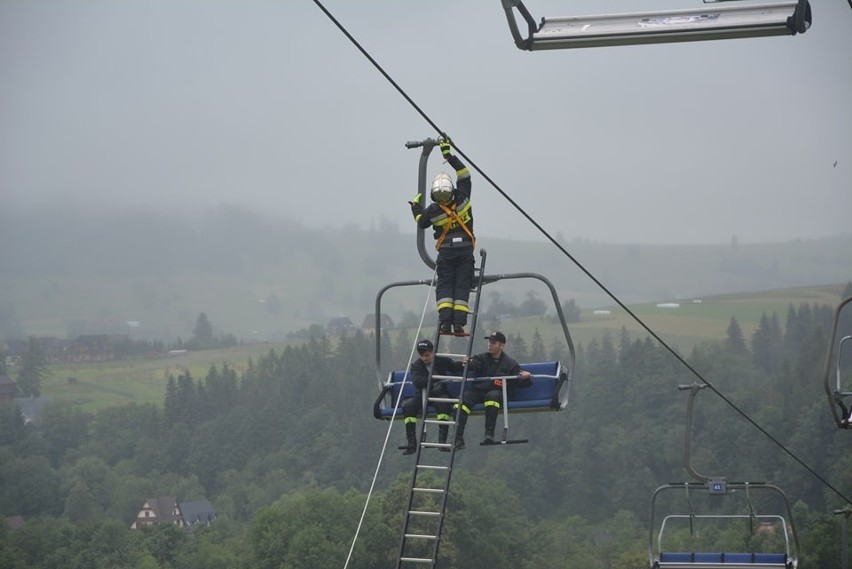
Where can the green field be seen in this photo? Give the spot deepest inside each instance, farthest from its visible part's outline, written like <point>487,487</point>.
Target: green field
<point>101,385</point>
<point>143,380</point>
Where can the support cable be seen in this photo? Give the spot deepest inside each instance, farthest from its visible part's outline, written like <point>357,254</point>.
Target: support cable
<point>391,421</point>
<point>579,265</point>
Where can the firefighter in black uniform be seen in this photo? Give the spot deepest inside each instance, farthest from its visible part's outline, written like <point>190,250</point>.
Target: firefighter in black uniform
<point>493,363</point>
<point>451,216</point>
<point>413,406</point>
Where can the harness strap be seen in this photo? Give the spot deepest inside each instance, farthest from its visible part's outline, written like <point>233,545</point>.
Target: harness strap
<point>451,213</point>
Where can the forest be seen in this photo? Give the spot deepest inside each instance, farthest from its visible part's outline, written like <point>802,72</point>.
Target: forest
<point>286,451</point>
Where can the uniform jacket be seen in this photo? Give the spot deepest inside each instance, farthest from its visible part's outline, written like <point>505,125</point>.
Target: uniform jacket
<point>484,365</point>
<point>443,366</point>
<point>435,217</point>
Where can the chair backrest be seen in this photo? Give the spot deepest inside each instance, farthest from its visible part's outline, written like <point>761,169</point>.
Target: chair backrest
<point>541,395</point>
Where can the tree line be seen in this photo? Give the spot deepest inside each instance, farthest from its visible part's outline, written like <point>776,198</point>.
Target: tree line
<point>286,451</point>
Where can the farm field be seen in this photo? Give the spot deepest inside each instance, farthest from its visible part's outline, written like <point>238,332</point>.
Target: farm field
<point>97,386</point>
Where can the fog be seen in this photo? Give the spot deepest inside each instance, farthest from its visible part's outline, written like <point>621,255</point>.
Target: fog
<point>181,105</point>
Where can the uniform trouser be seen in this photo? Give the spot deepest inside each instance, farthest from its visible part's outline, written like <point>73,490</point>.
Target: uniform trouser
<point>455,279</point>
<point>412,408</point>
<point>493,401</point>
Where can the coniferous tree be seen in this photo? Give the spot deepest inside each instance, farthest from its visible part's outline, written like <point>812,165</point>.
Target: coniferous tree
<point>735,342</point>
<point>517,348</point>
<point>766,344</point>
<point>202,335</point>
<point>33,369</point>
<point>537,351</point>
<point>171,409</point>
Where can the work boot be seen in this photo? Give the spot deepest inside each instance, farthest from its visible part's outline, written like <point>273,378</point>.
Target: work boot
<point>458,330</point>
<point>442,437</point>
<point>461,421</point>
<point>445,327</point>
<point>490,422</point>
<point>410,433</point>
<point>489,437</point>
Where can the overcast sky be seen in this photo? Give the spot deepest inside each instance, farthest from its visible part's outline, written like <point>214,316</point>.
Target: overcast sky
<point>184,104</point>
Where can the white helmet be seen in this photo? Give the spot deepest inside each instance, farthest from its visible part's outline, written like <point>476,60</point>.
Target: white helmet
<point>442,188</point>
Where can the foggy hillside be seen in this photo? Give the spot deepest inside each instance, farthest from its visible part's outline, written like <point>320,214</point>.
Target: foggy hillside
<point>71,270</point>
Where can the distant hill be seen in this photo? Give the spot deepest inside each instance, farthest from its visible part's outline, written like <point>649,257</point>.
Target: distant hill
<point>150,273</point>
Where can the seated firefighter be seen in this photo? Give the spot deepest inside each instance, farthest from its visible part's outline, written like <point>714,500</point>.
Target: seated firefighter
<point>493,363</point>
<point>413,406</point>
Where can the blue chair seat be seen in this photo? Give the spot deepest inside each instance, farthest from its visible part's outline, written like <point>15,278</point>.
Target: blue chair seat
<point>542,395</point>
<point>670,559</point>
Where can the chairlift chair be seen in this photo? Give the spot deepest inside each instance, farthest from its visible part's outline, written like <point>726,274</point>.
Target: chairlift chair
<point>837,371</point>
<point>740,20</point>
<point>713,490</point>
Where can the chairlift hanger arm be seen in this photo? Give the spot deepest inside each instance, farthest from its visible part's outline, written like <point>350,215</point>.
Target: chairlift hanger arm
<point>724,22</point>
<point>833,394</point>
<point>427,144</point>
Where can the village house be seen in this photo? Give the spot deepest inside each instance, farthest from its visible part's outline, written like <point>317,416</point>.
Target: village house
<point>167,509</point>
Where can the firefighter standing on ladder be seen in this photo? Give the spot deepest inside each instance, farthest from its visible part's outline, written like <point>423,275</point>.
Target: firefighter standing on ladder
<point>451,216</point>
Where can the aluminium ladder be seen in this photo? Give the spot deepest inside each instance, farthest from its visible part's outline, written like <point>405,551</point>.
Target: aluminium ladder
<point>430,481</point>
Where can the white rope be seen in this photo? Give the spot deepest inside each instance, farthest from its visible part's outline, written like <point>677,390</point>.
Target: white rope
<point>393,416</point>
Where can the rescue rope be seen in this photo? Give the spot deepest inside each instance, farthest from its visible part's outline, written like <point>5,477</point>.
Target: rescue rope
<point>405,380</point>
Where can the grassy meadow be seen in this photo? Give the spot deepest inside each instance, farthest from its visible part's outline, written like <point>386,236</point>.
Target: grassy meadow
<point>102,385</point>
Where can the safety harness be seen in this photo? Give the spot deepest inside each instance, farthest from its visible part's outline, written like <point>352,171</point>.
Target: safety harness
<point>451,213</point>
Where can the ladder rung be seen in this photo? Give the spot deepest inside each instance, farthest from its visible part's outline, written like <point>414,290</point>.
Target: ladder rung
<point>435,445</point>
<point>416,559</point>
<point>437,422</point>
<point>432,467</point>
<point>423,513</point>
<point>444,400</point>
<point>420,536</point>
<point>429,490</point>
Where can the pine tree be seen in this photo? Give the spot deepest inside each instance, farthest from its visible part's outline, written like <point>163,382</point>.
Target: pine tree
<point>766,344</point>
<point>33,369</point>
<point>735,341</point>
<point>202,335</point>
<point>538,353</point>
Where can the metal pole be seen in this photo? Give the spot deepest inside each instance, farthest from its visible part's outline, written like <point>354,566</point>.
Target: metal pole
<point>844,545</point>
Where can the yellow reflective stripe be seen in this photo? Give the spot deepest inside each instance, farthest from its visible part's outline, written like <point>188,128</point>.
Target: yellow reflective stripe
<point>492,404</point>
<point>461,308</point>
<point>462,173</point>
<point>464,408</point>
<point>445,305</point>
<point>410,420</point>
<point>443,417</point>
<point>418,216</point>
